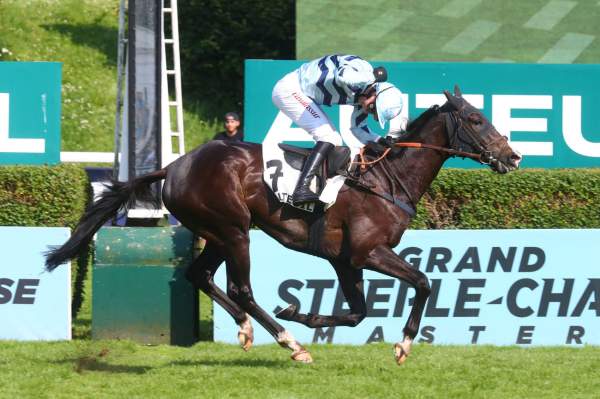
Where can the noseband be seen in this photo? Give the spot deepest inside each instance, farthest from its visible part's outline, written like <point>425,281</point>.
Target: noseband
<point>455,126</point>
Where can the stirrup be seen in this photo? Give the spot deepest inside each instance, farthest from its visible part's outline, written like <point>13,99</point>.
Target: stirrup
<point>303,195</point>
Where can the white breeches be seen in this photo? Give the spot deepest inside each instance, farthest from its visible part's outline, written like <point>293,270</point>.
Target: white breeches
<point>289,98</point>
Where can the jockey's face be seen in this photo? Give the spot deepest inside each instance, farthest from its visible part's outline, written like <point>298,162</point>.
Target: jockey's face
<point>367,102</point>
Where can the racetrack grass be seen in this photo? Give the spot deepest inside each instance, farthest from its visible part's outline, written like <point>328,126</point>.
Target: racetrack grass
<point>208,370</point>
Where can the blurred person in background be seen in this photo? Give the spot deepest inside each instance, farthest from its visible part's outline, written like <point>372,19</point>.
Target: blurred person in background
<point>233,131</point>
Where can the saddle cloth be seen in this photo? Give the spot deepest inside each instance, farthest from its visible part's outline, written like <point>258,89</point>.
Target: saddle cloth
<point>282,166</point>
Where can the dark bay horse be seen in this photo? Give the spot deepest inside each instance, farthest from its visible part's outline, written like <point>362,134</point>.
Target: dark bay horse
<point>217,191</point>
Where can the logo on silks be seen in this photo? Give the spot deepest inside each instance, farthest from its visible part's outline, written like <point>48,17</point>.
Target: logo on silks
<point>503,287</point>
<point>546,111</point>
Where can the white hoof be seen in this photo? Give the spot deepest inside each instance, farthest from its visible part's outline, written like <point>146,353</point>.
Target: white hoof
<point>246,334</point>
<point>402,350</point>
<point>302,356</point>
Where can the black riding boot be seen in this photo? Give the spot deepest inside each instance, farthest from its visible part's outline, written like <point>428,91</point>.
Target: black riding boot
<point>314,160</point>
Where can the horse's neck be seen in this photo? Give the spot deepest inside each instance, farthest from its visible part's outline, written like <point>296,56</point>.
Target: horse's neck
<point>417,168</point>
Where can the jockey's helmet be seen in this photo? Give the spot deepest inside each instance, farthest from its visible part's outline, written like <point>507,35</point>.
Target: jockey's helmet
<point>388,101</point>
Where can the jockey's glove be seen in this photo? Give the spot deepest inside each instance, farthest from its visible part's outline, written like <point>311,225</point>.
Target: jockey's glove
<point>387,142</point>
<point>382,144</point>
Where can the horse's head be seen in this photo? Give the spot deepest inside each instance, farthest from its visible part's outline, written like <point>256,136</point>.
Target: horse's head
<point>469,130</point>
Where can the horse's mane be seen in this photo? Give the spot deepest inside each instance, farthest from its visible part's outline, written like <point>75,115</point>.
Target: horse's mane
<point>419,123</point>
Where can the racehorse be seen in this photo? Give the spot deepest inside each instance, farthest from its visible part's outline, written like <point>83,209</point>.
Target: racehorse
<point>217,191</point>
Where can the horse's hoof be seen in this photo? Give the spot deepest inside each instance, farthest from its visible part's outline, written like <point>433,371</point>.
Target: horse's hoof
<point>302,356</point>
<point>246,334</point>
<point>245,341</point>
<point>287,313</point>
<point>400,354</point>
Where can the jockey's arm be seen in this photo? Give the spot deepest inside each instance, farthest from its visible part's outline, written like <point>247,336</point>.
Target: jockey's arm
<point>359,128</point>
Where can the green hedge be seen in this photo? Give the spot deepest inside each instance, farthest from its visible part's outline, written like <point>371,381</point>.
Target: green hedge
<point>42,195</point>
<point>47,196</point>
<point>529,198</point>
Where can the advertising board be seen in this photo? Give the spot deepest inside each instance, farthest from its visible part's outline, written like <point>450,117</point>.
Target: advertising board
<point>546,111</point>
<point>30,98</point>
<point>502,287</point>
<point>34,304</point>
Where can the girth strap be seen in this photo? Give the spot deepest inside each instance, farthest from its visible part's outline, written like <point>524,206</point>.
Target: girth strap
<point>402,205</point>
<point>315,233</point>
<point>409,209</point>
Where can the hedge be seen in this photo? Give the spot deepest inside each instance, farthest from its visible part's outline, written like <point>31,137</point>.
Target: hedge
<point>529,198</point>
<point>47,196</point>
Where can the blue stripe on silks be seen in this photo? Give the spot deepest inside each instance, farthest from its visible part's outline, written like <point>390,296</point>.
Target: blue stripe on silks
<point>360,118</point>
<point>353,57</point>
<point>321,82</point>
<point>335,60</point>
<point>366,129</point>
<point>343,96</point>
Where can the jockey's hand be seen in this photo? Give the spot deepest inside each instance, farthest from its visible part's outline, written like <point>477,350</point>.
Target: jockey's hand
<point>387,142</point>
<point>380,145</point>
<point>375,146</point>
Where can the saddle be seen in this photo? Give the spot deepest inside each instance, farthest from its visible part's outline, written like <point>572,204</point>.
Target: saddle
<point>336,163</point>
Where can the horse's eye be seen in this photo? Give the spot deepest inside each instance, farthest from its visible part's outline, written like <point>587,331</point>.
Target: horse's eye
<point>475,119</point>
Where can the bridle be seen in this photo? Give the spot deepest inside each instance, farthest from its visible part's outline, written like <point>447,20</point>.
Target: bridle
<point>454,127</point>
<point>455,119</point>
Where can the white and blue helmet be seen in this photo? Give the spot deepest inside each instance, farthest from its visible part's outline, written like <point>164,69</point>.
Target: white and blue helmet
<point>388,102</point>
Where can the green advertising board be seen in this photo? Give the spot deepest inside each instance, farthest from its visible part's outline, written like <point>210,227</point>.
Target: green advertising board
<point>30,112</point>
<point>546,111</point>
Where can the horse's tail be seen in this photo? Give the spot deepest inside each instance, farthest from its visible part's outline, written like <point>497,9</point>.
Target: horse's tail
<point>117,196</point>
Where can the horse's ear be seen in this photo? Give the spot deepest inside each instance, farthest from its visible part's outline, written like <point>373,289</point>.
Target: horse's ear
<point>457,92</point>
<point>448,95</point>
<point>454,101</point>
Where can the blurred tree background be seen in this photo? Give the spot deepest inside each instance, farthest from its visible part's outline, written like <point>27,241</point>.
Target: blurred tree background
<point>215,38</point>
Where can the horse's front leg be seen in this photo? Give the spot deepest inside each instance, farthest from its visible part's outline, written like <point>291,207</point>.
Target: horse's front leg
<point>383,260</point>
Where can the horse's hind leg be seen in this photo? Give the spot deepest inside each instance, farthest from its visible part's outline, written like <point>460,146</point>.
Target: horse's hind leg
<point>351,282</point>
<point>240,290</point>
<point>201,274</point>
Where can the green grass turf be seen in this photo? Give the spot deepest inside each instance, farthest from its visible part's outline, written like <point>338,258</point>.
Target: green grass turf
<point>367,28</point>
<point>82,34</point>
<point>209,370</point>
<point>87,368</point>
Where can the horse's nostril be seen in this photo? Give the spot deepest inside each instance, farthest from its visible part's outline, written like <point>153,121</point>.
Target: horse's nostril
<point>516,158</point>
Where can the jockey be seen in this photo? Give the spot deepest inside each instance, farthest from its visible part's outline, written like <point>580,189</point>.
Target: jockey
<point>334,79</point>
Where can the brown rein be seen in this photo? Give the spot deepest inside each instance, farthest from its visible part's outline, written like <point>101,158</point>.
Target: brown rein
<point>363,164</point>
<point>450,151</point>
